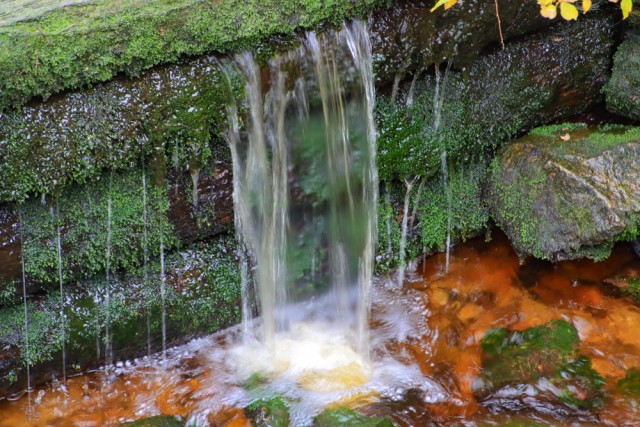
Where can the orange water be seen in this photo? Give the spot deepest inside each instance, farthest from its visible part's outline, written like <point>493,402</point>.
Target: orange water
<point>485,288</point>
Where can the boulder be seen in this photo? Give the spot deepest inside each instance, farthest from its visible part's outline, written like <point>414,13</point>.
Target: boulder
<point>568,191</point>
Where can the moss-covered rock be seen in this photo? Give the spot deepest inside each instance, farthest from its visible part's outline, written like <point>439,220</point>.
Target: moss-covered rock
<point>544,357</point>
<point>75,46</point>
<point>566,191</point>
<point>630,384</point>
<point>269,412</point>
<point>202,297</point>
<point>623,88</point>
<point>501,95</point>
<point>345,417</point>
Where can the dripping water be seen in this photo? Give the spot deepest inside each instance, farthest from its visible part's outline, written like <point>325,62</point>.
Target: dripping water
<point>163,286</point>
<point>145,251</point>
<point>62,315</point>
<point>403,237</point>
<point>108,351</point>
<point>26,316</point>
<point>412,88</point>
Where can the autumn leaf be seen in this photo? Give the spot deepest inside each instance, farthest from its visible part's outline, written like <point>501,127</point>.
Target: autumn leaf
<point>443,3</point>
<point>586,6</point>
<point>450,4</point>
<point>549,11</point>
<point>569,11</point>
<point>565,137</point>
<point>626,6</point>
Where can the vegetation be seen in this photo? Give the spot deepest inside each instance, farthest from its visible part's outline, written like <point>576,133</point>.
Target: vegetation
<point>269,412</point>
<point>81,45</point>
<point>345,417</point>
<point>547,351</point>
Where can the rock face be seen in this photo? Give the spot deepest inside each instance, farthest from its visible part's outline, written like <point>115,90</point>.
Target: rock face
<point>623,89</point>
<point>566,191</point>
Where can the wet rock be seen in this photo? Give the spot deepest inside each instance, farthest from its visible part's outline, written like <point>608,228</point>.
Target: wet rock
<point>566,191</point>
<point>408,37</point>
<point>158,421</point>
<point>538,368</point>
<point>628,285</point>
<point>623,89</point>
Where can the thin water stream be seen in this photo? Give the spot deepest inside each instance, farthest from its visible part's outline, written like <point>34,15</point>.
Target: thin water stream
<point>433,325</point>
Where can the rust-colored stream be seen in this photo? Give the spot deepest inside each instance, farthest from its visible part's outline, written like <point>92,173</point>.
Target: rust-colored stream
<point>485,288</point>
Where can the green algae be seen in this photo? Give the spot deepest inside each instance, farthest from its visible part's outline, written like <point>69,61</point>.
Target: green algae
<point>346,417</point>
<point>157,421</point>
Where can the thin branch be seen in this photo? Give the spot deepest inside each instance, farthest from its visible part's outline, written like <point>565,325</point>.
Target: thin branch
<point>499,24</point>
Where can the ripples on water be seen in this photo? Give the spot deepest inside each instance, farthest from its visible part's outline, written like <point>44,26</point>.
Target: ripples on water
<point>425,353</point>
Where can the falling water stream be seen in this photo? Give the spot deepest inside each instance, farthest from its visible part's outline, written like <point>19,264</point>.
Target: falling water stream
<point>26,315</point>
<point>61,283</point>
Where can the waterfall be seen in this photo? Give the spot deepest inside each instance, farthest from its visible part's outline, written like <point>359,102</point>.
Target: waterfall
<point>62,315</point>
<point>26,314</point>
<point>306,167</point>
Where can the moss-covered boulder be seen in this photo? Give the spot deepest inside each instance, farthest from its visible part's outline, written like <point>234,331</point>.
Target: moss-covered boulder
<point>630,384</point>
<point>541,361</point>
<point>567,191</point>
<point>269,412</point>
<point>623,88</point>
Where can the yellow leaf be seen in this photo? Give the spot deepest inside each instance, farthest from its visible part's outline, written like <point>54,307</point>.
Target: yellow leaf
<point>586,5</point>
<point>569,11</point>
<point>565,137</point>
<point>449,4</point>
<point>549,11</point>
<point>439,3</point>
<point>545,2</point>
<point>627,7</point>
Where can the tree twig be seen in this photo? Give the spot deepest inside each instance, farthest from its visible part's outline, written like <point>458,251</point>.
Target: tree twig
<point>499,24</point>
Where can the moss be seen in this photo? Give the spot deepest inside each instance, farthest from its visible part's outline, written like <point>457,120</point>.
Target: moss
<point>80,45</point>
<point>630,384</point>
<point>547,351</point>
<point>269,412</point>
<point>547,192</point>
<point>171,113</point>
<point>623,88</point>
<point>202,296</point>
<point>158,421</point>
<point>632,289</point>
<point>84,227</point>
<point>346,417</point>
<point>468,214</point>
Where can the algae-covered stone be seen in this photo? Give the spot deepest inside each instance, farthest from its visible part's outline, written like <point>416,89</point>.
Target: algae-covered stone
<point>158,421</point>
<point>623,88</point>
<point>269,412</point>
<point>630,384</point>
<point>566,191</point>
<point>345,417</point>
<point>541,361</point>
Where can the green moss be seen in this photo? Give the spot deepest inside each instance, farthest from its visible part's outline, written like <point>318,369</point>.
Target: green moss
<point>346,417</point>
<point>202,296</point>
<point>158,421</point>
<point>632,289</point>
<point>623,88</point>
<point>468,213</point>
<point>546,351</point>
<point>84,227</point>
<point>81,45</point>
<point>630,384</point>
<point>269,412</point>
<point>171,115</point>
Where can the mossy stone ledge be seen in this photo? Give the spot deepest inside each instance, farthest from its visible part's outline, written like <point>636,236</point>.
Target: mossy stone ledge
<point>568,191</point>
